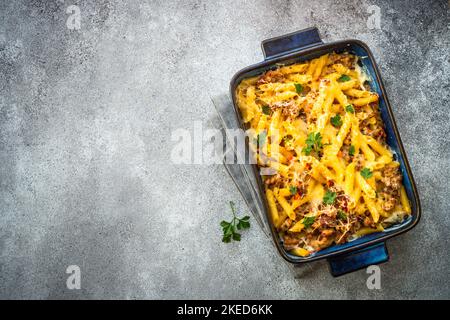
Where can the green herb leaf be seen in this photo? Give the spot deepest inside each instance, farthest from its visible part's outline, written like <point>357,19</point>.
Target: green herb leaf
<point>350,109</point>
<point>229,228</point>
<point>298,88</point>
<point>344,78</point>
<point>307,150</point>
<point>341,215</point>
<point>293,190</point>
<point>366,173</point>
<point>351,151</point>
<point>336,120</point>
<point>310,139</point>
<point>244,224</point>
<point>318,140</point>
<point>224,225</point>
<point>308,221</point>
<point>329,197</point>
<point>313,142</point>
<point>266,109</point>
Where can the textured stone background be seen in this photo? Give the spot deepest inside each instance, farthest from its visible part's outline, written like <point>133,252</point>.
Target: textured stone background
<point>85,124</point>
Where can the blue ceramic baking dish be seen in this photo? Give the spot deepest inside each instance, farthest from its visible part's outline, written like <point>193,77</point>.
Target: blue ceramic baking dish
<point>305,45</point>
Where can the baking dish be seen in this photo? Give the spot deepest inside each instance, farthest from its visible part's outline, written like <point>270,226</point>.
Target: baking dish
<point>306,45</point>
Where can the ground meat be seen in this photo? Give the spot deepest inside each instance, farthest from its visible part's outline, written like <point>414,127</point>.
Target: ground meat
<point>302,115</point>
<point>289,109</point>
<point>328,69</point>
<point>270,76</point>
<point>392,178</point>
<point>325,239</point>
<point>345,59</point>
<point>340,237</point>
<point>368,222</point>
<point>359,162</point>
<point>290,241</point>
<point>375,130</point>
<point>286,225</point>
<point>301,191</point>
<point>390,199</point>
<point>301,211</point>
<point>327,233</point>
<point>275,180</point>
<point>379,134</point>
<point>348,140</point>
<point>327,221</point>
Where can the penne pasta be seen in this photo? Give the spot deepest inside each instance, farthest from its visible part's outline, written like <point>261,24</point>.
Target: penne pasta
<point>404,201</point>
<point>272,206</point>
<point>364,101</point>
<point>330,175</point>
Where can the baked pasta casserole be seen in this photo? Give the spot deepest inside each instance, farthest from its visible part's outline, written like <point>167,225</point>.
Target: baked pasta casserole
<point>319,141</point>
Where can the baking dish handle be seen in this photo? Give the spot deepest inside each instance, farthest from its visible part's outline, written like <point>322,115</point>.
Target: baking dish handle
<point>291,42</point>
<point>359,259</point>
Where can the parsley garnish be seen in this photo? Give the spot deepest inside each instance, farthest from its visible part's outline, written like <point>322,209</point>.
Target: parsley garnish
<point>344,78</point>
<point>308,221</point>
<point>298,88</point>
<point>293,190</point>
<point>307,150</point>
<point>329,197</point>
<point>350,108</point>
<point>229,228</point>
<point>351,151</point>
<point>336,120</point>
<point>366,173</point>
<point>266,109</point>
<point>313,142</point>
<point>341,215</point>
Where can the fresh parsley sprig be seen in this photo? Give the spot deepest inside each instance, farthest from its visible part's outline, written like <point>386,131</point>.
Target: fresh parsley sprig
<point>329,197</point>
<point>293,190</point>
<point>336,121</point>
<point>308,221</point>
<point>229,228</point>
<point>366,173</point>
<point>351,150</point>
<point>313,142</point>
<point>344,78</point>
<point>298,88</point>
<point>349,108</point>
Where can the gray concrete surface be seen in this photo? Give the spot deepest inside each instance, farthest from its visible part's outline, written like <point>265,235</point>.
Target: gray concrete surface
<point>85,123</point>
